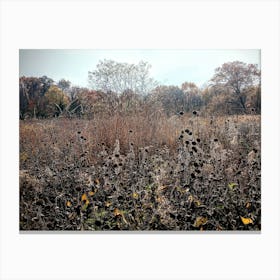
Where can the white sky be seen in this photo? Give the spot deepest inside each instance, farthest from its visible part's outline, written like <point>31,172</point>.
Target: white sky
<point>169,67</point>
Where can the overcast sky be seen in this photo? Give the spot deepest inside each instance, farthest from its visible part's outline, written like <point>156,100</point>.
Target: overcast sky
<point>169,67</point>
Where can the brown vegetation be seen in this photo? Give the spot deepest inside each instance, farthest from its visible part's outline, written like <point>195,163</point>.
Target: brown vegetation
<point>141,171</point>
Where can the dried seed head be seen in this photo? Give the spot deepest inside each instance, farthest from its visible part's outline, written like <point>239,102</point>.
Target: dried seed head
<point>194,149</point>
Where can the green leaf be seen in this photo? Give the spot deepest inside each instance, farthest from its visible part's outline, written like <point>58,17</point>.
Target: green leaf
<point>232,185</point>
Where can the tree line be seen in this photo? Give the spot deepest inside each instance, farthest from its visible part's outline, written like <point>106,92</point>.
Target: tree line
<point>124,88</point>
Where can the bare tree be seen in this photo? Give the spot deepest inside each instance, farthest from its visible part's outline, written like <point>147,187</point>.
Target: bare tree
<point>112,76</point>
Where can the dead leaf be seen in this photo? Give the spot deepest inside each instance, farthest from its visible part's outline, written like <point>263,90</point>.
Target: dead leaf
<point>161,188</point>
<point>117,212</point>
<point>68,204</point>
<point>197,202</point>
<point>248,204</point>
<point>108,203</point>
<point>219,228</point>
<point>200,221</point>
<point>190,198</point>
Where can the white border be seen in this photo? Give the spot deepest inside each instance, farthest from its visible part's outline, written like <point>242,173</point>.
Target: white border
<point>158,24</point>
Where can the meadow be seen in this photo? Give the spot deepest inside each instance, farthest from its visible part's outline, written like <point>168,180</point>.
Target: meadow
<point>141,172</point>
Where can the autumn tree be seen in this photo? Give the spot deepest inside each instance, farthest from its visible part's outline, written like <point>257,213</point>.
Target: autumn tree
<point>112,76</point>
<point>31,93</point>
<point>92,103</point>
<point>237,77</point>
<point>57,101</point>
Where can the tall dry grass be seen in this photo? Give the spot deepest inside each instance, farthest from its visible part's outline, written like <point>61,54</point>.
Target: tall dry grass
<point>158,172</point>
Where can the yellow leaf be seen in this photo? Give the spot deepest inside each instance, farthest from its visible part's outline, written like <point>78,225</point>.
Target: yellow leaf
<point>193,199</point>
<point>23,156</point>
<point>246,221</point>
<point>190,198</point>
<point>135,195</point>
<point>117,212</point>
<point>200,221</point>
<point>91,193</point>
<point>197,202</point>
<point>85,198</point>
<point>232,185</point>
<point>248,204</point>
<point>68,204</point>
